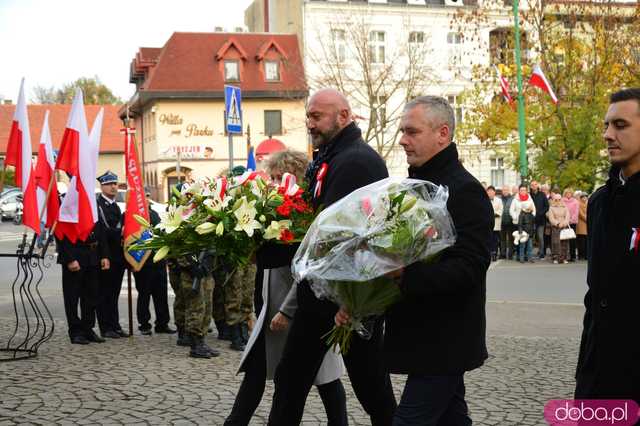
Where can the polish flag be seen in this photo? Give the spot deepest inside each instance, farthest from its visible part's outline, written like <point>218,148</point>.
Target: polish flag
<point>504,85</point>
<point>538,79</point>
<point>78,212</point>
<point>19,155</point>
<point>44,173</point>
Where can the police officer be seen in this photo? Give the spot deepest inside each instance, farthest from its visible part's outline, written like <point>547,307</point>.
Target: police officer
<point>110,218</point>
<point>151,282</point>
<point>81,262</point>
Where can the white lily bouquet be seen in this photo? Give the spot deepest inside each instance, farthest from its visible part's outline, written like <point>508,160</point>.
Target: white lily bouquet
<point>354,243</point>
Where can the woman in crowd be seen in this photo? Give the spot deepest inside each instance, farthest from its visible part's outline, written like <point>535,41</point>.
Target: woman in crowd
<point>581,229</point>
<point>558,216</point>
<point>574,207</point>
<point>276,300</point>
<point>523,213</point>
<point>496,202</point>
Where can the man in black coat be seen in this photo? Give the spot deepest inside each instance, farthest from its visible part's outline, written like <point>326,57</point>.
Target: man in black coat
<point>344,163</point>
<point>542,207</point>
<point>81,262</point>
<point>110,218</point>
<point>437,332</point>
<point>151,282</point>
<point>609,360</point>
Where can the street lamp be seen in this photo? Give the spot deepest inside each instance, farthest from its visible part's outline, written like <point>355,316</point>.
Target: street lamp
<point>521,124</point>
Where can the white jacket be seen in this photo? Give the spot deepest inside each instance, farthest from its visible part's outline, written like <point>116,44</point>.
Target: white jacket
<point>497,213</point>
<point>517,206</point>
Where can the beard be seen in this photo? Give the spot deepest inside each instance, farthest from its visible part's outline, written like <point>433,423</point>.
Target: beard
<point>319,137</point>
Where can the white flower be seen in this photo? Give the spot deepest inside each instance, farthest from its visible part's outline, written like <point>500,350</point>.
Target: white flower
<point>195,188</point>
<point>205,228</point>
<point>161,253</point>
<point>214,203</point>
<point>275,229</point>
<point>219,229</point>
<point>142,221</point>
<point>245,215</point>
<point>172,219</point>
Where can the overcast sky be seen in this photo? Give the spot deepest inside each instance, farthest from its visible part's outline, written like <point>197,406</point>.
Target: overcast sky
<point>52,42</point>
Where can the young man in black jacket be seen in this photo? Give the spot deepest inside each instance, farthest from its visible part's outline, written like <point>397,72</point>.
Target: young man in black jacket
<point>344,163</point>
<point>609,360</point>
<point>437,332</point>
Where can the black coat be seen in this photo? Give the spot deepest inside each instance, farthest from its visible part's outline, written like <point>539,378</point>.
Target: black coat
<point>542,207</point>
<point>110,216</point>
<point>88,253</point>
<point>609,361</point>
<point>352,164</point>
<point>439,328</point>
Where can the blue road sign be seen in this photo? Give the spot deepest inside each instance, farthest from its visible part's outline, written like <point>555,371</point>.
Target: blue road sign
<point>233,109</point>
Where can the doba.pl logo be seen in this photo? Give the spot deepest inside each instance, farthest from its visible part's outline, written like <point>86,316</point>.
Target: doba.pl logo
<point>591,412</point>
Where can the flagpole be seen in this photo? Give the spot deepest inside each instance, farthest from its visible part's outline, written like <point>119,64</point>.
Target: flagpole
<point>521,123</point>
<point>130,302</point>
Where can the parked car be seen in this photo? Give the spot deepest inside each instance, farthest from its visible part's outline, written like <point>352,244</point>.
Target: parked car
<point>10,203</point>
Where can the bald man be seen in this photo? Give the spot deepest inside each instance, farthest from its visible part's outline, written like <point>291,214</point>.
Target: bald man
<point>342,164</point>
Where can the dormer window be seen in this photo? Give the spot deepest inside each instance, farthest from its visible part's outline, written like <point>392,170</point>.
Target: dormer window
<point>272,70</point>
<point>231,70</point>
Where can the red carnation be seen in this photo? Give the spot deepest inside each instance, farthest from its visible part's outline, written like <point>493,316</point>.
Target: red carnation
<point>286,235</point>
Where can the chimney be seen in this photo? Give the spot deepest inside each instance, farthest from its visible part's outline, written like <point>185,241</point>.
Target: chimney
<point>266,15</point>
<point>218,29</point>
<point>8,102</point>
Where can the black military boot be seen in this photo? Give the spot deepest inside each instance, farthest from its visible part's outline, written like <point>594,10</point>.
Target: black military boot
<point>237,344</point>
<point>223,330</point>
<point>198,348</point>
<point>184,339</point>
<point>214,353</point>
<point>244,328</point>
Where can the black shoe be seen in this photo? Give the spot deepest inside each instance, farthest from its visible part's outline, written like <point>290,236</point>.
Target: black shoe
<point>198,348</point>
<point>184,340</point>
<point>111,334</point>
<point>122,333</point>
<point>79,340</point>
<point>214,353</point>
<point>165,329</point>
<point>146,332</point>
<point>93,337</point>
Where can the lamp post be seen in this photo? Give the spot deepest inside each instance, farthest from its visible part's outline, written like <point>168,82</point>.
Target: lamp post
<point>524,172</point>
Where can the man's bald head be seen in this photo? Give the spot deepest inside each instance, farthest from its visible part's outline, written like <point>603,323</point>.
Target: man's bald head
<point>328,112</point>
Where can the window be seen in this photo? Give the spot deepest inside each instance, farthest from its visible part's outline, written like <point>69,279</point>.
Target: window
<point>454,38</point>
<point>272,70</point>
<point>457,109</point>
<point>272,122</point>
<point>340,45</point>
<point>416,37</point>
<point>231,71</point>
<point>376,47</point>
<point>497,172</point>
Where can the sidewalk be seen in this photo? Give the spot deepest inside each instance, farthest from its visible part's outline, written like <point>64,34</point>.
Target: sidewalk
<point>150,380</point>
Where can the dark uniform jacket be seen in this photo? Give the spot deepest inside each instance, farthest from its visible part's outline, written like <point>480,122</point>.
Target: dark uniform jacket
<point>609,361</point>
<point>87,253</point>
<point>110,216</point>
<point>439,327</point>
<point>542,207</point>
<point>351,164</point>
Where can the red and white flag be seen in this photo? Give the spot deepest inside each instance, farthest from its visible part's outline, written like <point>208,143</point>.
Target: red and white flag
<point>538,79</point>
<point>44,174</point>
<point>504,85</point>
<point>19,155</point>
<point>78,212</point>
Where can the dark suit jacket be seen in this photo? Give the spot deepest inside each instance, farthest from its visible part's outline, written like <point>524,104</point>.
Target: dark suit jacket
<point>81,250</point>
<point>110,216</point>
<point>439,327</point>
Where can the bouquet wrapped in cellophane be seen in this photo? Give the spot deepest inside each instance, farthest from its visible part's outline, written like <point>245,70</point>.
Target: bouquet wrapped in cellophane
<point>354,244</point>
<point>228,218</point>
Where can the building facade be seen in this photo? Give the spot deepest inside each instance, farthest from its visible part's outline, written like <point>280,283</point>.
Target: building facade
<point>384,52</point>
<point>179,107</point>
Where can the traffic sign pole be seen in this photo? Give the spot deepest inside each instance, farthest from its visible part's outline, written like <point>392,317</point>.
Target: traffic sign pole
<point>230,152</point>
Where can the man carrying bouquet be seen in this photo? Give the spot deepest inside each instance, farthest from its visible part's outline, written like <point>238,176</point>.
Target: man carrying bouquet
<point>437,331</point>
<point>344,163</point>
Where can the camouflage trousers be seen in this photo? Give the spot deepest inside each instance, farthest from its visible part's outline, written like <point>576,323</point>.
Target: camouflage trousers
<point>191,310</point>
<point>233,298</point>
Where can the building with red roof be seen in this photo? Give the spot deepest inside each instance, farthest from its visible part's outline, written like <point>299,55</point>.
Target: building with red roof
<point>111,143</point>
<point>178,106</point>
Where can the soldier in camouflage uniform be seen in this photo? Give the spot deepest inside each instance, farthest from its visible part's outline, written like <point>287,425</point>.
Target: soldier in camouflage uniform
<point>233,304</point>
<point>192,308</point>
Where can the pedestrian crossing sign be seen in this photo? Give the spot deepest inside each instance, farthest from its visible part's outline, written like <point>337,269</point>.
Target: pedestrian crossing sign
<point>233,109</point>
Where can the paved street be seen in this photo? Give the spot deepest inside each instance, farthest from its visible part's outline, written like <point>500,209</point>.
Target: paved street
<point>534,316</point>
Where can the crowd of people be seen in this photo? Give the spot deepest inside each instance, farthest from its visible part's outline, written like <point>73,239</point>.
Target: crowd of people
<point>436,333</point>
<point>553,221</point>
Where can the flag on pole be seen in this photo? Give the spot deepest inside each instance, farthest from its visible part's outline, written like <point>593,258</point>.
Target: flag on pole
<point>44,173</point>
<point>251,160</point>
<point>504,85</point>
<point>78,212</point>
<point>538,79</point>
<point>19,155</point>
<point>136,204</point>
